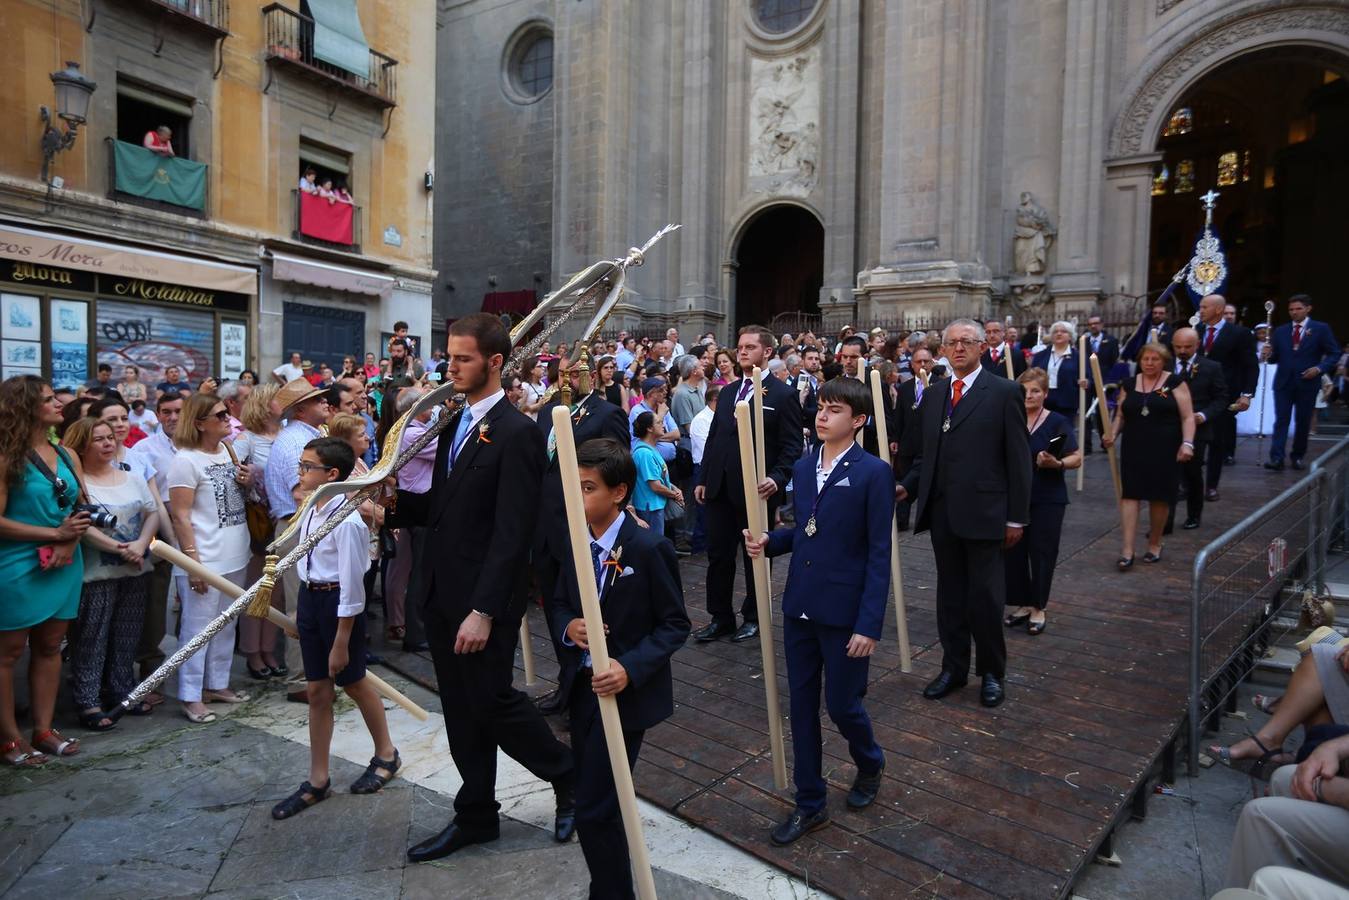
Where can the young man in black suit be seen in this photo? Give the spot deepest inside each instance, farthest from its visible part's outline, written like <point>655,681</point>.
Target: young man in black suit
<point>720,486</point>
<point>992,358</point>
<point>642,602</point>
<point>907,434</point>
<point>807,385</point>
<point>592,417</point>
<point>1208,396</point>
<point>1106,349</point>
<point>479,516</point>
<point>972,482</point>
<point>1233,347</point>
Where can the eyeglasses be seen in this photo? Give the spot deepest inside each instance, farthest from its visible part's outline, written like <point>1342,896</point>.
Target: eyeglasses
<point>964,342</point>
<point>223,416</point>
<point>311,467</point>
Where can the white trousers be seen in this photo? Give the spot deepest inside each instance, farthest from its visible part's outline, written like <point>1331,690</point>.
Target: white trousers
<point>1280,830</point>
<point>210,668</point>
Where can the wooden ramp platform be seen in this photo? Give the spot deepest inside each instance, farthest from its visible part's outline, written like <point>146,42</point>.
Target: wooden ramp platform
<point>976,803</point>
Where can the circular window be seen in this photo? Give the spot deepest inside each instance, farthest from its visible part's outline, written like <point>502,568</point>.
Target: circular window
<point>532,65</point>
<point>781,16</point>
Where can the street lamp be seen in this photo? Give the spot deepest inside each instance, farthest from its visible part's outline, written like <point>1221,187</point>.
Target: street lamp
<point>73,91</point>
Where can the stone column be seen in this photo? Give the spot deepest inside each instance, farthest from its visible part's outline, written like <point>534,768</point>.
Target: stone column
<point>1126,221</point>
<point>702,140</point>
<point>841,87</point>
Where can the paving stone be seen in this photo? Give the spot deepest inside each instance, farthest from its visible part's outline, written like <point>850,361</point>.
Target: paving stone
<point>23,845</point>
<point>146,856</point>
<point>385,884</point>
<point>556,872</point>
<point>320,842</point>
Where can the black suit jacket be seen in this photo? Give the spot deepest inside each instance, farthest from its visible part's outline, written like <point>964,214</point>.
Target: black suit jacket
<point>981,468</point>
<point>907,433</point>
<point>601,419</point>
<point>1208,393</point>
<point>480,517</point>
<point>782,439</point>
<point>1108,355</point>
<point>999,368</point>
<point>809,406</point>
<point>1234,350</point>
<point>891,424</point>
<point>643,605</point>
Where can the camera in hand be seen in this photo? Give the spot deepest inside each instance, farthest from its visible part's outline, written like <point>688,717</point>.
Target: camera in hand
<point>98,518</point>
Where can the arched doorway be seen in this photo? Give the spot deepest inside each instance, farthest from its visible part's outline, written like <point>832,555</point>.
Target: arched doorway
<point>779,265</point>
<point>1269,131</point>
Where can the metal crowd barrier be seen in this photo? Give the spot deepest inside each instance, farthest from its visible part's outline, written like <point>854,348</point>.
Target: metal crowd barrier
<point>1239,581</point>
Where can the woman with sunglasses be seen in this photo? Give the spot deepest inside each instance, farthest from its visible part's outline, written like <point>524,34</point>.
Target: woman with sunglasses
<point>116,576</point>
<point>206,504</point>
<point>41,564</point>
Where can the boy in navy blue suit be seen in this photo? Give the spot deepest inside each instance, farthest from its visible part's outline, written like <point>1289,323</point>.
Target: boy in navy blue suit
<point>642,602</point>
<point>834,603</point>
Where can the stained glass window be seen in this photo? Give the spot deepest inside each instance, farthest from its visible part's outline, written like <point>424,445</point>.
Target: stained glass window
<point>1246,166</point>
<point>1181,122</point>
<point>1185,176</point>
<point>1227,168</point>
<point>1161,181</point>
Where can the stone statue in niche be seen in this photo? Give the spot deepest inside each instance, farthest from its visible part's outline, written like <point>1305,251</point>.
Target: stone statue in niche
<point>1032,237</point>
<point>784,137</point>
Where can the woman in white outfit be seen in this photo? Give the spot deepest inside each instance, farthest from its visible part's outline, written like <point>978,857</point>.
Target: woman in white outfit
<point>206,504</point>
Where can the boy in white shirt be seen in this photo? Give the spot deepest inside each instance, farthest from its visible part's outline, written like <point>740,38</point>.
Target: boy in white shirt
<point>331,621</point>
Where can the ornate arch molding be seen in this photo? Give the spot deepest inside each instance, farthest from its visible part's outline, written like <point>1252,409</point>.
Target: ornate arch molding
<point>748,217</point>
<point>1208,46</point>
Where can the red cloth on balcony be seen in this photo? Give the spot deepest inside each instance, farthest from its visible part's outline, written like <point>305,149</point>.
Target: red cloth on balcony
<point>327,221</point>
<point>518,302</point>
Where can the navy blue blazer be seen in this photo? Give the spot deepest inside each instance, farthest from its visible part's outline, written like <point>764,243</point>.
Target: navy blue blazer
<point>1065,395</point>
<point>841,576</point>
<point>1317,348</point>
<point>643,605</point>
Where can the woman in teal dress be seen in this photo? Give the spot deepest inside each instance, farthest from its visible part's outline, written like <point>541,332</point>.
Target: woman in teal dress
<point>41,567</point>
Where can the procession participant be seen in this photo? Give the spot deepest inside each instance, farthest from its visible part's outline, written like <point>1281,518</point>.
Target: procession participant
<point>992,359</point>
<point>1232,347</point>
<point>642,599</point>
<point>852,350</point>
<point>206,505</point>
<point>592,417</point>
<point>1208,396</point>
<point>306,408</point>
<point>807,385</point>
<point>834,603</point>
<point>1304,351</point>
<point>331,623</point>
<point>479,582</point>
<point>907,433</point>
<point>972,483</point>
<point>1066,373</point>
<point>1106,349</point>
<point>719,481</point>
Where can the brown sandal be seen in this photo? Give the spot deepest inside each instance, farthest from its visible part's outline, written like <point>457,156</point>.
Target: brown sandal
<point>53,743</point>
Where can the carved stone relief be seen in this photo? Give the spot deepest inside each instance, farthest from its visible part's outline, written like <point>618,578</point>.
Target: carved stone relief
<point>784,133</point>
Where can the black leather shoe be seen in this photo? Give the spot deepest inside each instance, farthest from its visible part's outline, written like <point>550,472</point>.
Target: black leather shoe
<point>1297,464</point>
<point>415,646</point>
<point>798,825</point>
<point>943,684</point>
<point>1229,460</point>
<point>1275,466</point>
<point>1190,524</point>
<point>564,821</point>
<point>865,788</point>
<point>991,693</point>
<point>451,839</point>
<point>745,632</point>
<point>712,631</point>
<point>1211,495</point>
<point>551,704</point>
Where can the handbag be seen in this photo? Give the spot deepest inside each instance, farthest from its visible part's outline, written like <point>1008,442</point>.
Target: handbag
<point>260,525</point>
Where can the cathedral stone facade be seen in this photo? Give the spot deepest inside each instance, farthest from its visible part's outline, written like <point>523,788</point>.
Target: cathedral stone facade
<point>852,160</point>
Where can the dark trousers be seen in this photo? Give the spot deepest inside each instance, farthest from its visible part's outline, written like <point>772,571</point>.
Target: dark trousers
<point>418,583</point>
<point>599,822</point>
<point>148,655</point>
<point>1299,397</point>
<point>484,711</point>
<point>813,650</point>
<point>1029,564</point>
<point>1222,445</point>
<point>902,466</point>
<point>970,590</point>
<point>699,513</point>
<point>1192,478</point>
<point>726,520</point>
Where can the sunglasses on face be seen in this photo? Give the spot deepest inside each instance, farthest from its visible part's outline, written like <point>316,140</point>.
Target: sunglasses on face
<point>222,416</point>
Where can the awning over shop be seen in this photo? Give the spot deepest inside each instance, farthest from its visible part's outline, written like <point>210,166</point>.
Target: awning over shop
<point>329,275</point>
<point>338,38</point>
<point>518,302</point>
<point>42,248</point>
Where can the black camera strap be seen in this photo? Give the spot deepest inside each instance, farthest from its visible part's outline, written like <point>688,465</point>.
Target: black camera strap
<point>41,465</point>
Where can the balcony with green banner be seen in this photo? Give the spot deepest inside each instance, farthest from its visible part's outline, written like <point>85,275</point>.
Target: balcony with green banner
<point>138,174</point>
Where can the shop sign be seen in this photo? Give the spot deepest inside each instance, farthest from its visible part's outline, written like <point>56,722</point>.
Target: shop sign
<point>38,275</point>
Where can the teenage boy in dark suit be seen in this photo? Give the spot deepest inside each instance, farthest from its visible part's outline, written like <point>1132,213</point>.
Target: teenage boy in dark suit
<point>642,602</point>
<point>834,603</point>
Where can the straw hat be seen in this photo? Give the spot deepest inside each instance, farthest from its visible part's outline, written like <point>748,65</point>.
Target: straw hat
<point>297,391</point>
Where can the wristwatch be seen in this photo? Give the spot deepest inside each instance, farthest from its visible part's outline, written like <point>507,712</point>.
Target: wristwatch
<point>478,612</point>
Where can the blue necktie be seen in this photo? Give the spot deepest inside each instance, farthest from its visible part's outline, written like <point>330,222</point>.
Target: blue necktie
<point>461,434</point>
<point>596,551</point>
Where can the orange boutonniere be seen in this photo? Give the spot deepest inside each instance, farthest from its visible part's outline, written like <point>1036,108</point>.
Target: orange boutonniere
<point>615,559</point>
<point>1163,391</point>
<point>483,428</point>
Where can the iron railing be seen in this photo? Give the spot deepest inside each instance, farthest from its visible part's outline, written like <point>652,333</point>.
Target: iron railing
<point>1242,583</point>
<point>209,15</point>
<point>290,42</point>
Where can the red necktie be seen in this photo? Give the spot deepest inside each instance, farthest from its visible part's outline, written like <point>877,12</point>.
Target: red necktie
<point>997,352</point>
<point>1209,334</point>
<point>956,388</point>
<point>1297,335</point>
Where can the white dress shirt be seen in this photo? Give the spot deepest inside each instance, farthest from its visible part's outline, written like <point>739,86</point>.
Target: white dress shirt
<point>606,542</point>
<point>478,413</point>
<point>155,451</point>
<point>342,556</point>
<point>698,431</point>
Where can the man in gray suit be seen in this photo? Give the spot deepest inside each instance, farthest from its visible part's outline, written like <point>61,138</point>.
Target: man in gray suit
<point>972,481</point>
